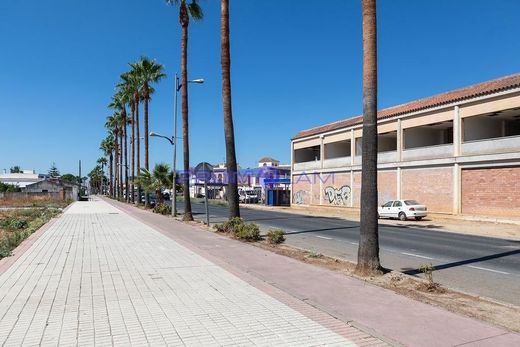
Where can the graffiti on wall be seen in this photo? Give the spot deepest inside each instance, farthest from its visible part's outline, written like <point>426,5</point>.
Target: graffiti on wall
<point>338,196</point>
<point>299,197</point>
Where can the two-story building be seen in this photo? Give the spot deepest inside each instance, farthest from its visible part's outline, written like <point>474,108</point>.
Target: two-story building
<point>457,152</point>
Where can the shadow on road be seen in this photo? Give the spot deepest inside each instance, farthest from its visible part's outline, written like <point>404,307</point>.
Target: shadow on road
<point>464,262</point>
<point>318,230</point>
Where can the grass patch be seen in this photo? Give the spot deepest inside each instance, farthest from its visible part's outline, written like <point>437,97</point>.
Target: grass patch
<point>17,225</point>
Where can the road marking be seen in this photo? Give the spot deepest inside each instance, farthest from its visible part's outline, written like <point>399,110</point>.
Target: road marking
<point>416,255</point>
<point>353,243</point>
<point>485,269</point>
<point>323,237</point>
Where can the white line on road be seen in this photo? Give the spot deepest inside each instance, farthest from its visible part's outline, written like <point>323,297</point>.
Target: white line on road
<point>416,255</point>
<point>354,243</point>
<point>323,237</point>
<point>485,269</point>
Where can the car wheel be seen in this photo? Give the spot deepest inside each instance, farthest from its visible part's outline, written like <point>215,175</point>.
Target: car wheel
<point>418,218</point>
<point>402,216</point>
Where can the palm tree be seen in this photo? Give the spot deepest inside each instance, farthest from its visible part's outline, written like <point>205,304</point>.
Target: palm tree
<point>102,162</point>
<point>114,124</point>
<point>107,146</point>
<point>368,252</point>
<point>131,81</point>
<point>118,103</point>
<point>149,72</point>
<point>229,132</point>
<point>186,10</point>
<point>155,181</point>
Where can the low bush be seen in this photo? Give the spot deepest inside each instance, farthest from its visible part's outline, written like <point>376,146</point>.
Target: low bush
<point>275,236</point>
<point>13,223</point>
<point>230,226</point>
<point>248,232</point>
<point>163,209</point>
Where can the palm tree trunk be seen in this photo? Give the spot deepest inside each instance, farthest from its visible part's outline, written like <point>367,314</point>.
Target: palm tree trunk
<point>126,153</point>
<point>121,163</point>
<point>138,139</point>
<point>116,178</point>
<point>133,151</point>
<point>111,160</point>
<point>229,132</point>
<point>368,253</point>
<point>188,216</point>
<point>146,163</point>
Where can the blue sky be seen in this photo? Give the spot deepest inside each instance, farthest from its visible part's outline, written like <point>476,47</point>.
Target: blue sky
<point>295,65</point>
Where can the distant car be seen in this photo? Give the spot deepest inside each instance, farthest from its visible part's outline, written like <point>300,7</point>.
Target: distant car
<point>247,196</point>
<point>402,209</point>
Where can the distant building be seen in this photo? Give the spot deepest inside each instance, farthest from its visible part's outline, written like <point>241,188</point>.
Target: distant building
<point>66,190</point>
<point>268,175</point>
<point>21,179</point>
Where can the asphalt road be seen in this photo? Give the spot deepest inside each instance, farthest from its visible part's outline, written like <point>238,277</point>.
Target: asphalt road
<point>479,265</point>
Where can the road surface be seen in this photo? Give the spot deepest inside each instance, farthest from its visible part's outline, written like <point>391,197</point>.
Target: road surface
<point>484,266</point>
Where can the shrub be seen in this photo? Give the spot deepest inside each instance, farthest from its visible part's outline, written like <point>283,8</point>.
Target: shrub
<point>275,236</point>
<point>14,224</point>
<point>162,209</point>
<point>230,226</point>
<point>248,232</point>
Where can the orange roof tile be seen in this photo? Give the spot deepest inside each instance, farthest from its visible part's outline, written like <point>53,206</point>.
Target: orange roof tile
<point>493,86</point>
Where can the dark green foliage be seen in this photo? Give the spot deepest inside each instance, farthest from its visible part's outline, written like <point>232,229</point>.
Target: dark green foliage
<point>162,209</point>
<point>230,226</point>
<point>275,236</point>
<point>248,232</point>
<point>8,188</point>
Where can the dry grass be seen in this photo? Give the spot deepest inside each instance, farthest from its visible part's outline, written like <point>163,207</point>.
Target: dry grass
<point>35,201</point>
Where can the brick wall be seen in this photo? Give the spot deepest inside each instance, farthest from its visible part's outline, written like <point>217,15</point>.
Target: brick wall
<point>491,191</point>
<point>356,189</point>
<point>432,187</point>
<point>301,189</point>
<point>336,189</point>
<point>386,186</point>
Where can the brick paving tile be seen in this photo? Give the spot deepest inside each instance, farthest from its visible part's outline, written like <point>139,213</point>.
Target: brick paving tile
<point>98,276</point>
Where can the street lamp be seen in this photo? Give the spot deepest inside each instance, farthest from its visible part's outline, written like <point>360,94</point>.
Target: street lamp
<point>178,86</point>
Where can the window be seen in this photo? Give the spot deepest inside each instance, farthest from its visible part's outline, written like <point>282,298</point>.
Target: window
<point>397,204</point>
<point>411,202</point>
<point>388,204</point>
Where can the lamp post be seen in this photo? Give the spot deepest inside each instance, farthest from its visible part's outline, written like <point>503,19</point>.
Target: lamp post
<point>178,86</point>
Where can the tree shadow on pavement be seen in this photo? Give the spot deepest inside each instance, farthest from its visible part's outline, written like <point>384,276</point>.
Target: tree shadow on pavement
<point>318,230</point>
<point>464,262</point>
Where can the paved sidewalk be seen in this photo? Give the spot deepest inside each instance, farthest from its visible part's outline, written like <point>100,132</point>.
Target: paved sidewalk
<point>376,310</point>
<point>99,277</point>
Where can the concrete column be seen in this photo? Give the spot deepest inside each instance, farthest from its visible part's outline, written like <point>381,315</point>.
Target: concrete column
<point>322,151</point>
<point>398,183</point>
<point>399,140</point>
<point>352,147</point>
<point>457,132</point>
<point>456,189</point>
<point>351,188</point>
<point>292,170</point>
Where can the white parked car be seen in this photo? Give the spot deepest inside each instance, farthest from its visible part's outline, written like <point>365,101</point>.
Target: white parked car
<point>402,209</point>
<point>247,196</point>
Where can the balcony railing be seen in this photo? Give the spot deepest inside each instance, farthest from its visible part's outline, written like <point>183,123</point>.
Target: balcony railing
<point>308,165</point>
<point>429,152</point>
<point>495,145</point>
<point>340,162</point>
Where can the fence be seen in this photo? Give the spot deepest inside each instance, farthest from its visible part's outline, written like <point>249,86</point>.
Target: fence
<point>56,196</point>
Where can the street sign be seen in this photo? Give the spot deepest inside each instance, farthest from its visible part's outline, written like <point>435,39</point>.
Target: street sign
<point>204,172</point>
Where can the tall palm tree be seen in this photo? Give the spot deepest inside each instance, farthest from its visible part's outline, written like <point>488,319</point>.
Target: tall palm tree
<point>107,146</point>
<point>102,161</point>
<point>368,252</point>
<point>114,124</point>
<point>132,80</point>
<point>186,10</point>
<point>229,132</point>
<point>119,101</point>
<point>149,72</point>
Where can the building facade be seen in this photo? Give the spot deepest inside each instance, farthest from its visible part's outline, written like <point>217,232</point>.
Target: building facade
<point>456,152</point>
<point>21,179</point>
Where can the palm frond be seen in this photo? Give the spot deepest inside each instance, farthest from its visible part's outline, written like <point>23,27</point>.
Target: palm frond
<point>195,10</point>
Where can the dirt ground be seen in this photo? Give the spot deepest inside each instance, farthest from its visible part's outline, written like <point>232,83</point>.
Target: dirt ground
<point>448,223</point>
